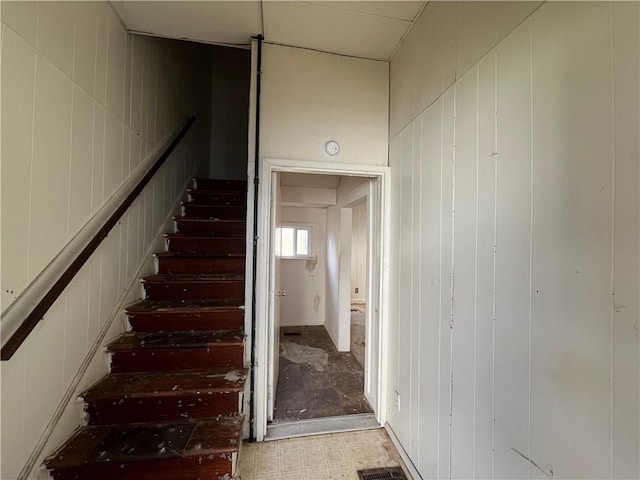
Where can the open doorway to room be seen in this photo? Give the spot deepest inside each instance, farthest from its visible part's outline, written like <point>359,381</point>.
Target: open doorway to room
<point>323,339</point>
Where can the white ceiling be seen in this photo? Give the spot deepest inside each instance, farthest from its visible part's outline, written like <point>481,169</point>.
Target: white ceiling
<point>367,29</point>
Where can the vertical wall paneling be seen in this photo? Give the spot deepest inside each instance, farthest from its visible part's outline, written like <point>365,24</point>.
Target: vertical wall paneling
<point>446,287</point>
<point>464,268</point>
<point>626,236</point>
<point>529,233</point>
<point>485,271</point>
<point>406,287</point>
<point>513,276</point>
<point>430,251</point>
<point>416,317</point>
<point>18,74</point>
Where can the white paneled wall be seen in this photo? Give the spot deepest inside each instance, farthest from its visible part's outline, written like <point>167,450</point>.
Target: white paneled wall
<point>83,105</point>
<point>310,97</point>
<point>515,281</point>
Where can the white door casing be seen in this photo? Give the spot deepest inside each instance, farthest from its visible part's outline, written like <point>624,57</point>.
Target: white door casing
<point>266,323</point>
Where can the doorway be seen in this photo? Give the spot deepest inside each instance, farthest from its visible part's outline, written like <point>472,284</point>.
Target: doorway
<point>309,372</point>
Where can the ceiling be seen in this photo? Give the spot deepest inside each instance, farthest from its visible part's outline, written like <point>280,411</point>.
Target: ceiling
<point>309,180</point>
<point>366,29</point>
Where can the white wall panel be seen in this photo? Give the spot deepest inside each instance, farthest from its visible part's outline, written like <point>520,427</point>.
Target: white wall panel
<point>429,290</point>
<point>513,249</point>
<point>485,267</point>
<point>572,267</point>
<point>464,267</point>
<point>18,74</point>
<point>310,97</point>
<point>533,155</point>
<point>626,238</point>
<point>67,146</point>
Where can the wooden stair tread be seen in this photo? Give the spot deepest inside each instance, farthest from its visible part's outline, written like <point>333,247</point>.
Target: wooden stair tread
<point>175,340</point>
<point>190,255</point>
<point>162,384</point>
<point>191,278</point>
<point>192,306</point>
<point>110,444</point>
<point>210,220</point>
<point>202,237</point>
<point>220,184</point>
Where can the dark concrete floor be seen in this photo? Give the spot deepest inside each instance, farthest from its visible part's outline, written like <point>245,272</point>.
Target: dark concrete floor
<point>319,381</point>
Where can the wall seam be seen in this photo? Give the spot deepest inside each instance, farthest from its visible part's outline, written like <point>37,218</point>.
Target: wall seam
<point>531,226</point>
<point>613,244</point>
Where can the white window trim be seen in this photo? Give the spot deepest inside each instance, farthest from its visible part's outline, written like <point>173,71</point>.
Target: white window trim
<point>297,226</point>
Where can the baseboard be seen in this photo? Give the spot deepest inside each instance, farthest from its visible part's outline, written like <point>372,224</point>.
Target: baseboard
<point>403,454</point>
<point>37,455</point>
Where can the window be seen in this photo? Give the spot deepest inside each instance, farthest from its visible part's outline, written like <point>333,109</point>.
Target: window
<point>293,241</point>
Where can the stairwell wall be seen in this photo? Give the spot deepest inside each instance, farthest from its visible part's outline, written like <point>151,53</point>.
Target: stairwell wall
<point>515,276</point>
<point>84,105</point>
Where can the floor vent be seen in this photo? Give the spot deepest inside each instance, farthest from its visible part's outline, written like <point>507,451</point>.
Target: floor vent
<point>392,473</point>
<point>292,334</point>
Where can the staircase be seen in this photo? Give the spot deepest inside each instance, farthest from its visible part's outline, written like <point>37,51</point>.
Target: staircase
<point>171,408</point>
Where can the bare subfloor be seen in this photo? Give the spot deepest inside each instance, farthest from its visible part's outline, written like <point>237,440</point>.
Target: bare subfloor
<point>316,380</point>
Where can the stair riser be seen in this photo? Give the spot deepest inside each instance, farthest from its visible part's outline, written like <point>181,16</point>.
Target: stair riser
<point>220,185</point>
<point>178,265</point>
<point>194,291</point>
<point>204,467</point>
<point>175,322</point>
<point>218,198</point>
<point>210,229</point>
<point>233,246</point>
<point>132,410</point>
<point>213,211</point>
<point>175,359</point>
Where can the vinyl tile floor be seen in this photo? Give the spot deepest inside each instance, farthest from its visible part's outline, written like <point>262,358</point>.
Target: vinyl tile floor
<point>315,380</point>
<point>321,457</point>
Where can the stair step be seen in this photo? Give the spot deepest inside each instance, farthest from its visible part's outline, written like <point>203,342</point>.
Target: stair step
<point>173,351</point>
<point>193,287</point>
<point>153,316</point>
<point>178,242</point>
<point>213,211</point>
<point>220,184</point>
<point>214,197</point>
<point>199,449</point>
<point>154,397</point>
<point>210,227</point>
<point>195,263</point>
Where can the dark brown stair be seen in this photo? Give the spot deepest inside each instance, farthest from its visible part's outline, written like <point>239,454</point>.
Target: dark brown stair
<point>220,185</point>
<point>193,287</point>
<point>174,351</point>
<point>213,211</point>
<point>213,197</point>
<point>186,262</point>
<point>210,227</point>
<point>154,316</point>
<point>188,449</point>
<point>150,397</point>
<point>178,242</point>
<point>171,408</point>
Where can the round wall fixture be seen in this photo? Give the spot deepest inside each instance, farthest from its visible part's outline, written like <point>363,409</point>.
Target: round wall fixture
<point>332,147</point>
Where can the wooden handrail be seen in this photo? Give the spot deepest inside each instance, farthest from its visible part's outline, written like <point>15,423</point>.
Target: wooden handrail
<point>31,320</point>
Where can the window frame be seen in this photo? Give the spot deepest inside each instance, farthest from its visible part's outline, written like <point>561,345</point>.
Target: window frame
<point>296,226</point>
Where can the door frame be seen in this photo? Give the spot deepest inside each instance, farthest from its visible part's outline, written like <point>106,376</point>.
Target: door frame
<point>269,166</point>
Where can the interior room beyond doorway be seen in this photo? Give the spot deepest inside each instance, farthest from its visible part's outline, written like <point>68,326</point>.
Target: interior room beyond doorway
<point>322,320</point>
